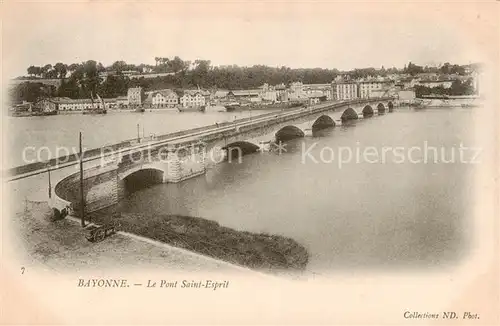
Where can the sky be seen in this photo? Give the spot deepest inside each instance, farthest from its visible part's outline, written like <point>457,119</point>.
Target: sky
<point>295,34</point>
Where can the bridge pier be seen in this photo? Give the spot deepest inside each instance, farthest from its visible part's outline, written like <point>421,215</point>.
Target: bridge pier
<point>308,132</point>
<point>181,169</point>
<point>173,172</point>
<point>264,146</point>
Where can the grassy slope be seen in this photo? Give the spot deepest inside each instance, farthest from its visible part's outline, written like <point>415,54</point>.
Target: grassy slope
<point>257,251</point>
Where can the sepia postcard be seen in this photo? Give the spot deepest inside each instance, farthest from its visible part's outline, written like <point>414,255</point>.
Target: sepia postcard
<point>250,163</point>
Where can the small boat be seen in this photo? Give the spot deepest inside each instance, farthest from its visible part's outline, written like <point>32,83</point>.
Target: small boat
<point>31,113</point>
<point>19,114</point>
<point>95,111</point>
<point>43,113</point>
<point>191,109</point>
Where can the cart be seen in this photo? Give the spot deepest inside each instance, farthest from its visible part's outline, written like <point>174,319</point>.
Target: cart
<point>97,233</point>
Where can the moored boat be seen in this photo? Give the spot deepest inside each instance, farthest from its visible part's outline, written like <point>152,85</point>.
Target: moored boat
<point>43,113</point>
<point>95,111</point>
<point>191,109</point>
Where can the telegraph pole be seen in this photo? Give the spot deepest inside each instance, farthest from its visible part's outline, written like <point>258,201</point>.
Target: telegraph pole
<point>82,196</point>
<point>50,185</point>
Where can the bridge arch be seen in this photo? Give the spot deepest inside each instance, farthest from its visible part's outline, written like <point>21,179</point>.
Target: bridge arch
<point>323,122</point>
<point>349,114</point>
<point>289,132</point>
<point>239,148</point>
<point>138,179</point>
<point>367,111</point>
<point>381,108</point>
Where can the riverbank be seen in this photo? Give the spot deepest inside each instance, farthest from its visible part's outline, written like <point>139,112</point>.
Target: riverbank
<point>61,246</point>
<point>253,250</point>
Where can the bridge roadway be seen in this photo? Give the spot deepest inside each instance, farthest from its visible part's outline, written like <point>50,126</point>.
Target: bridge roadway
<point>220,135</point>
<point>175,139</point>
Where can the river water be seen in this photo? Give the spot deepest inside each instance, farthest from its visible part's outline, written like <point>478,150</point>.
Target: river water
<point>366,214</point>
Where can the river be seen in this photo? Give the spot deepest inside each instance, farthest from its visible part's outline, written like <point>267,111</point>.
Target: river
<point>358,215</point>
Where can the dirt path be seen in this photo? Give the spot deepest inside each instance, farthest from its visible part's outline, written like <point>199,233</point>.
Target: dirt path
<point>62,246</point>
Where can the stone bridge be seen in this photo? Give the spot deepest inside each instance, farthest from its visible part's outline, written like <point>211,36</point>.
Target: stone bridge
<point>108,177</point>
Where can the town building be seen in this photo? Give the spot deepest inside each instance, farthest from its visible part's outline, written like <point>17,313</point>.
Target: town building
<point>165,98</point>
<point>192,98</point>
<point>45,105</point>
<point>246,95</point>
<point>281,93</point>
<point>206,94</point>
<point>315,99</point>
<point>435,83</point>
<point>220,95</point>
<point>319,90</point>
<point>151,75</point>
<point>68,104</point>
<point>135,96</point>
<point>373,88</point>
<point>406,96</point>
<point>296,92</point>
<point>344,90</point>
<point>268,93</point>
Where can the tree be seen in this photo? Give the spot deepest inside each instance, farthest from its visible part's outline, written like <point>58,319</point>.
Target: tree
<point>100,67</point>
<point>32,71</point>
<point>30,92</point>
<point>119,66</point>
<point>45,70</point>
<point>413,69</point>
<point>74,67</point>
<point>445,69</point>
<point>38,71</point>
<point>51,74</point>
<point>176,64</point>
<point>61,69</point>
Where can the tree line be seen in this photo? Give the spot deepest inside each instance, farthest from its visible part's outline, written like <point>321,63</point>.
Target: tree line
<point>85,79</point>
<point>457,87</point>
<point>445,69</point>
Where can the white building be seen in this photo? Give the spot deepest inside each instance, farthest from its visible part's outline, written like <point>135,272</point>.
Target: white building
<point>345,91</point>
<point>244,95</point>
<point>192,98</point>
<point>436,83</point>
<point>373,88</point>
<point>135,96</point>
<point>296,92</point>
<point>319,90</point>
<point>268,93</point>
<point>67,104</point>
<point>406,96</point>
<point>165,98</point>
